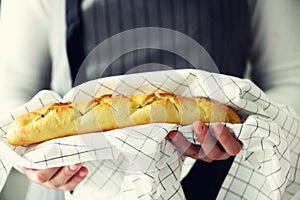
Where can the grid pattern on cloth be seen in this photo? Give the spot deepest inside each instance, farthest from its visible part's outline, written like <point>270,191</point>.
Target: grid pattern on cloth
<point>139,163</point>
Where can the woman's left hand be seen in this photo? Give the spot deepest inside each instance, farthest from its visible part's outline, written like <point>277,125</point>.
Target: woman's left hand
<point>216,142</point>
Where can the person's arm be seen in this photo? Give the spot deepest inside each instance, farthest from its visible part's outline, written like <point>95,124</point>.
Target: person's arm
<point>275,60</point>
<point>25,65</point>
<point>275,53</point>
<point>25,59</point>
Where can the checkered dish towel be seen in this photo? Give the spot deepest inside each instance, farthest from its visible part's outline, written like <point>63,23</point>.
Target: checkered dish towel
<point>139,163</point>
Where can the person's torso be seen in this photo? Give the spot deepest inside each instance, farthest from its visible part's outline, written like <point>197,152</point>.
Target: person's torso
<point>219,26</point>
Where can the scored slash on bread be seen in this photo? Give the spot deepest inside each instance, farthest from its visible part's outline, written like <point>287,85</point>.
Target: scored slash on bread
<point>108,112</point>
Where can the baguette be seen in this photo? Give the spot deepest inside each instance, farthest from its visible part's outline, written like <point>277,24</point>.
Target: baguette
<point>108,112</point>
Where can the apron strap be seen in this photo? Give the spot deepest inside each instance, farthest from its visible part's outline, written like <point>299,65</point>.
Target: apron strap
<point>74,36</point>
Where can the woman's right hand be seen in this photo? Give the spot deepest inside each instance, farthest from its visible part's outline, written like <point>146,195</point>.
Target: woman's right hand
<point>63,178</point>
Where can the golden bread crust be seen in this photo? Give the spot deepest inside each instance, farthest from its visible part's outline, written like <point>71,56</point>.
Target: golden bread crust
<point>109,112</point>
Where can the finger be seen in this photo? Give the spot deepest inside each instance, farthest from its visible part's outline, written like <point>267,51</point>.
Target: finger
<point>208,143</point>
<point>75,180</point>
<point>40,175</point>
<point>183,145</point>
<point>200,129</point>
<point>228,141</point>
<point>63,175</point>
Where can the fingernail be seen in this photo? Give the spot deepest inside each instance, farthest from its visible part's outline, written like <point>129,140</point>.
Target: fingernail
<point>82,173</point>
<point>171,135</point>
<point>73,167</point>
<point>198,127</point>
<point>216,129</point>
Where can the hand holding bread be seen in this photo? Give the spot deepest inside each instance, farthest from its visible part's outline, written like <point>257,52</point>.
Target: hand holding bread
<point>108,112</point>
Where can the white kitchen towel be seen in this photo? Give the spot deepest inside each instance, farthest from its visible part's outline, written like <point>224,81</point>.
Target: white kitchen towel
<point>139,163</point>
